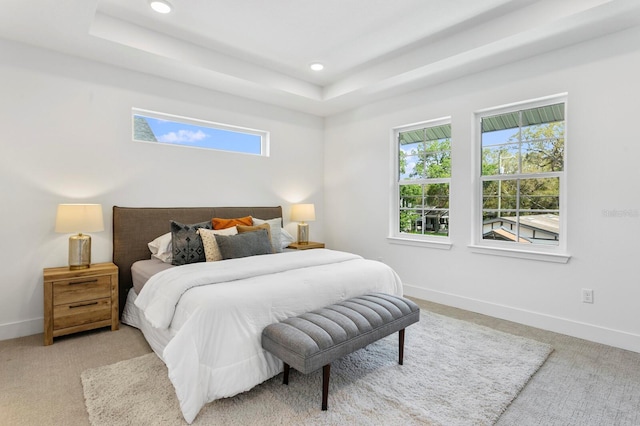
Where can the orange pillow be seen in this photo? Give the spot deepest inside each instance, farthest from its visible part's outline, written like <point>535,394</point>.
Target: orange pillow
<point>220,223</point>
<point>242,229</point>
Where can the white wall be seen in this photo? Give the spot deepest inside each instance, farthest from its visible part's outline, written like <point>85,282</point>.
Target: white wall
<point>66,137</point>
<point>601,78</point>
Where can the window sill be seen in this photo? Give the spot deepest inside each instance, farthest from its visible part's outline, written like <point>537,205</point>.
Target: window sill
<point>521,254</point>
<point>442,245</point>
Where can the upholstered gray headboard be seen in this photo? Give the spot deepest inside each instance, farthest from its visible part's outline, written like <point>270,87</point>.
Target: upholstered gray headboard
<point>134,227</point>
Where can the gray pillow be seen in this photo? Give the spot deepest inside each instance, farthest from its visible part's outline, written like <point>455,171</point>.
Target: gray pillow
<point>244,245</point>
<point>187,244</point>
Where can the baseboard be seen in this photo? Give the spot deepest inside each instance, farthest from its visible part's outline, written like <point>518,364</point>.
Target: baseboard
<point>581,330</point>
<point>591,332</point>
<point>21,329</point>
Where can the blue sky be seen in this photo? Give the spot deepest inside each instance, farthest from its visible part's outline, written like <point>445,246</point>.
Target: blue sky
<point>204,137</point>
<point>497,137</point>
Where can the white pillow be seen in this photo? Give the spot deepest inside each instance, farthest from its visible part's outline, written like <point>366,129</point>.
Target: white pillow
<point>161,248</point>
<point>211,250</point>
<point>276,232</point>
<point>286,238</point>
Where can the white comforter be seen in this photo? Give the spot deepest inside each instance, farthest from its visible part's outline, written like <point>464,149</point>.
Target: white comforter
<point>216,312</point>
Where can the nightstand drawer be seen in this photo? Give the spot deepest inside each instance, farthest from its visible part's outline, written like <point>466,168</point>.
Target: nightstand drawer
<point>81,289</point>
<point>79,313</point>
<point>78,300</point>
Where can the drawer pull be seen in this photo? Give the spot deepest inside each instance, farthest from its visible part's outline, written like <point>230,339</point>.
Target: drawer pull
<point>80,305</point>
<point>83,282</point>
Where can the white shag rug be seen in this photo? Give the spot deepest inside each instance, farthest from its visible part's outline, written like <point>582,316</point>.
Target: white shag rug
<point>454,373</point>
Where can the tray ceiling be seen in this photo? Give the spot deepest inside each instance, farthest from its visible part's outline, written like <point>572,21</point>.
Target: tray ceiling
<point>371,49</point>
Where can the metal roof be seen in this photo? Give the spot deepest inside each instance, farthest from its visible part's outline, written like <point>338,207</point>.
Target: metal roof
<point>532,116</point>
<point>511,120</point>
<point>426,134</point>
<point>546,222</point>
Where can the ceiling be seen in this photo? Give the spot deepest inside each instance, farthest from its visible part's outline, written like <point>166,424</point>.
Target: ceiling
<point>371,49</point>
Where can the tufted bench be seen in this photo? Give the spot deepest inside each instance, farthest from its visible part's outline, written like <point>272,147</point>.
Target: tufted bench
<point>315,339</point>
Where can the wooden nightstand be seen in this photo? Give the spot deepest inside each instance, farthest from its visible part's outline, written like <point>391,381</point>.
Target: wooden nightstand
<point>308,246</point>
<point>79,300</point>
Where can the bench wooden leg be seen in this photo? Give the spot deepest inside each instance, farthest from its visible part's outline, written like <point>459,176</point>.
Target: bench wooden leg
<point>401,345</point>
<point>326,370</point>
<point>285,376</point>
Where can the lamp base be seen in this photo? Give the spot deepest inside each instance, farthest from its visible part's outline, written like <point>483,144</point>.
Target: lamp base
<point>303,233</point>
<point>79,251</point>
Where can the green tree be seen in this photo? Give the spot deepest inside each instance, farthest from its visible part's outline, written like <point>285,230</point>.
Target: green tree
<point>541,149</point>
<point>410,196</point>
<point>544,148</point>
<point>433,161</point>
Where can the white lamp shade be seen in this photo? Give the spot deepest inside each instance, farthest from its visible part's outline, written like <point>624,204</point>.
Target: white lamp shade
<point>78,218</point>
<point>303,212</point>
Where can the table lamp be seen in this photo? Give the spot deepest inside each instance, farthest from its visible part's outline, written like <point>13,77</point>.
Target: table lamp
<point>79,218</point>
<point>302,213</point>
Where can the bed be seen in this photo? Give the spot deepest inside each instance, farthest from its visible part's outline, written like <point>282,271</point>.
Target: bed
<point>204,319</point>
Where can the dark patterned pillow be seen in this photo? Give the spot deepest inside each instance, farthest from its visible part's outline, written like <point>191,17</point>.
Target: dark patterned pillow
<point>244,245</point>
<point>186,243</point>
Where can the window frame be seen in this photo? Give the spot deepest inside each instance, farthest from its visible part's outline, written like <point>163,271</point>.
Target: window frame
<point>552,253</point>
<point>395,236</point>
<point>263,134</point>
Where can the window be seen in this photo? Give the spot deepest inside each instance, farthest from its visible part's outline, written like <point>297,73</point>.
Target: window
<point>522,166</point>
<point>422,180</point>
<point>155,127</point>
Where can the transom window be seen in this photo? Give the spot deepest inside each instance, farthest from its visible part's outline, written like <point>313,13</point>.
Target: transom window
<point>423,179</point>
<point>155,127</point>
<point>522,174</point>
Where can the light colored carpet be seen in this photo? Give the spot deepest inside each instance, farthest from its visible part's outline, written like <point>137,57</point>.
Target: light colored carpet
<point>454,373</point>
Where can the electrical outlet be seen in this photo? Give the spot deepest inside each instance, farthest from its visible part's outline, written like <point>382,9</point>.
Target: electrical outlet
<point>587,295</point>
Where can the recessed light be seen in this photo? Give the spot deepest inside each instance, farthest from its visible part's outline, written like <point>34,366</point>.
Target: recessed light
<point>316,66</point>
<point>160,6</point>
